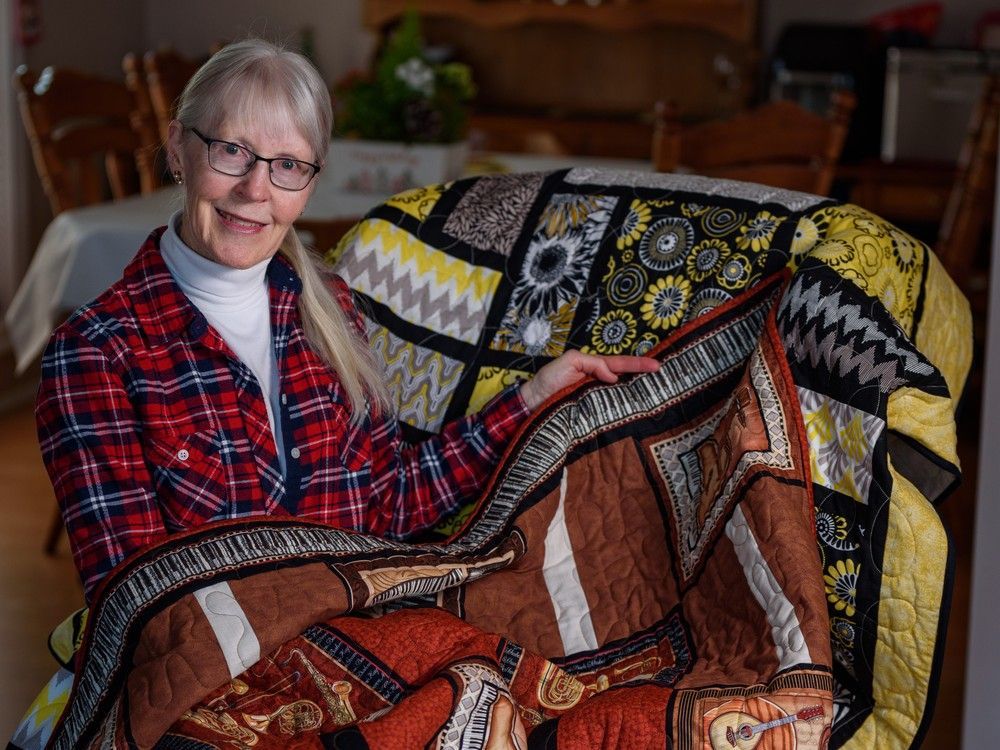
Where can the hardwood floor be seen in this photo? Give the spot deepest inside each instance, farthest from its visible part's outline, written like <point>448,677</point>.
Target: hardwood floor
<point>39,591</point>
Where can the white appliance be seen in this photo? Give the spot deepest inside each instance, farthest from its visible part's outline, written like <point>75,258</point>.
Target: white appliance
<point>929,97</point>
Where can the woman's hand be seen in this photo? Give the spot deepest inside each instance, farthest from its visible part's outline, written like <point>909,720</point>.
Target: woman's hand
<point>573,366</point>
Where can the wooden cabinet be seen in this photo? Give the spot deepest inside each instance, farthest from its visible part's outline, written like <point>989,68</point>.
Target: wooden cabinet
<point>597,58</point>
<point>735,19</point>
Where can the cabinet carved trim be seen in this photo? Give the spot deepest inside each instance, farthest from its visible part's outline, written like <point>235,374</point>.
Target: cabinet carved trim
<point>735,19</point>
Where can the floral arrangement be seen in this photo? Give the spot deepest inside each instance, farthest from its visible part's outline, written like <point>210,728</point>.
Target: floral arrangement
<point>406,97</point>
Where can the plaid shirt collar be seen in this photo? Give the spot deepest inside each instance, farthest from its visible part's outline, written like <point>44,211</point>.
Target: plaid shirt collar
<point>164,311</point>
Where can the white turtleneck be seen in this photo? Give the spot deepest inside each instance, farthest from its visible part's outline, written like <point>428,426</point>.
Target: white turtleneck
<point>236,304</point>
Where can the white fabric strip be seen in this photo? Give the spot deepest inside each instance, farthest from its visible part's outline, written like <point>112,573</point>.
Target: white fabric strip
<point>229,622</point>
<point>785,630</point>
<point>563,582</point>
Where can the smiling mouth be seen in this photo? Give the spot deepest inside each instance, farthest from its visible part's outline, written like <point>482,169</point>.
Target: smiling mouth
<point>239,224</point>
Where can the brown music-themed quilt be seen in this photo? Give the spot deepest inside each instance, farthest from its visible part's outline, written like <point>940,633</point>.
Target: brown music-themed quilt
<point>641,572</point>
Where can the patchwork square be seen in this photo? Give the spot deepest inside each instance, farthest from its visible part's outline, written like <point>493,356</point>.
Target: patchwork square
<point>420,284</point>
<point>491,214</point>
<point>418,202</point>
<point>554,275</point>
<point>841,441</point>
<point>701,466</point>
<point>421,380</point>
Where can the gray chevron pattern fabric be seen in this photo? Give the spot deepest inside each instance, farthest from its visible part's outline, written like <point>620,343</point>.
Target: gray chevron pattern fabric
<point>420,284</point>
<point>830,327</point>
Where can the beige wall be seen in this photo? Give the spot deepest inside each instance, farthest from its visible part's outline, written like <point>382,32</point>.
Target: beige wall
<point>982,662</point>
<point>192,26</point>
<point>92,35</point>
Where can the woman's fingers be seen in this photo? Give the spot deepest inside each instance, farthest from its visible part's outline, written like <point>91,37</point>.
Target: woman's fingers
<point>601,370</point>
<point>621,363</point>
<point>573,365</point>
<point>607,369</point>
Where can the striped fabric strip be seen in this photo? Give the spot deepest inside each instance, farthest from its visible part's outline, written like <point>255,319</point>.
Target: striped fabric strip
<point>231,626</point>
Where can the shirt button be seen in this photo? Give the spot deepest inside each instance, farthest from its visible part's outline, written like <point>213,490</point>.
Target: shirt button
<point>182,454</point>
<point>295,452</point>
<point>284,398</point>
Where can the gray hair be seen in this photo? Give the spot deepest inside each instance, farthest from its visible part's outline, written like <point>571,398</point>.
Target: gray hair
<point>257,81</point>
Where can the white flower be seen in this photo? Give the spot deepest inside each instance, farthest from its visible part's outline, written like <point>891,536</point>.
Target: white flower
<point>416,74</point>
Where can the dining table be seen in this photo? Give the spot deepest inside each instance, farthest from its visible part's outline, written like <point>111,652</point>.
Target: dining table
<point>84,250</point>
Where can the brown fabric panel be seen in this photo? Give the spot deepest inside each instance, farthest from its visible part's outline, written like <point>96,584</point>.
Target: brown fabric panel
<point>732,639</point>
<point>620,544</point>
<point>516,601</point>
<point>631,718</point>
<point>779,515</point>
<point>729,627</point>
<point>782,517</point>
<point>178,661</point>
<point>280,604</point>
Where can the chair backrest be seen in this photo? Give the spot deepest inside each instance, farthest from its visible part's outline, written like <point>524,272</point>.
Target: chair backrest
<point>779,143</point>
<point>577,135</point>
<point>148,156</point>
<point>166,75</point>
<point>970,203</point>
<point>80,134</point>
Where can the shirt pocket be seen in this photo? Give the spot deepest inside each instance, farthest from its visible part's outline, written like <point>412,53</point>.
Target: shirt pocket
<point>353,445</point>
<point>188,477</point>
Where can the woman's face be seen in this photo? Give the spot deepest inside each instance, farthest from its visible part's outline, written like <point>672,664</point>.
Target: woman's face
<point>237,221</point>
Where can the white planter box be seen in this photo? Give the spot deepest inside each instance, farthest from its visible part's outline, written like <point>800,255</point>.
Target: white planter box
<point>387,167</point>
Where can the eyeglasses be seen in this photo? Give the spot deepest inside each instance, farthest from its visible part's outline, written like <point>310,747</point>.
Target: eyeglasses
<point>236,160</point>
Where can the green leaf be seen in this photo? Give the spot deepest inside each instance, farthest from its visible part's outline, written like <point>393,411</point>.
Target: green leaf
<point>386,106</point>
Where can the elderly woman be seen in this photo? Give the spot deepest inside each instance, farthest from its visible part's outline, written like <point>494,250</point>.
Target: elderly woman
<point>225,375</point>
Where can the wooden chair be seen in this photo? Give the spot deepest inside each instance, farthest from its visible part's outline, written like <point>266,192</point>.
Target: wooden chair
<point>577,135</point>
<point>779,143</point>
<point>166,75</point>
<point>969,209</point>
<point>81,138</point>
<point>83,145</point>
<point>148,156</point>
<point>963,237</point>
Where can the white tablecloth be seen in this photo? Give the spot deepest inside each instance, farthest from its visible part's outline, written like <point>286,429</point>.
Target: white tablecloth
<point>83,251</point>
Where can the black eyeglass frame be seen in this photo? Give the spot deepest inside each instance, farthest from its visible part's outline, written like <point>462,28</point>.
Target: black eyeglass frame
<point>256,158</point>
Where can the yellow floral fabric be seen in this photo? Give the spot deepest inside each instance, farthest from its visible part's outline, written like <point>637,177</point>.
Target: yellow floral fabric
<point>878,258</point>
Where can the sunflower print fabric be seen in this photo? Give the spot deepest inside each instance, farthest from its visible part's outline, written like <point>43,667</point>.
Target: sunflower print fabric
<point>613,263</point>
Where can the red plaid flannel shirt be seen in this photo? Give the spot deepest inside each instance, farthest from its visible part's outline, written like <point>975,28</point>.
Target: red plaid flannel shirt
<point>148,424</point>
